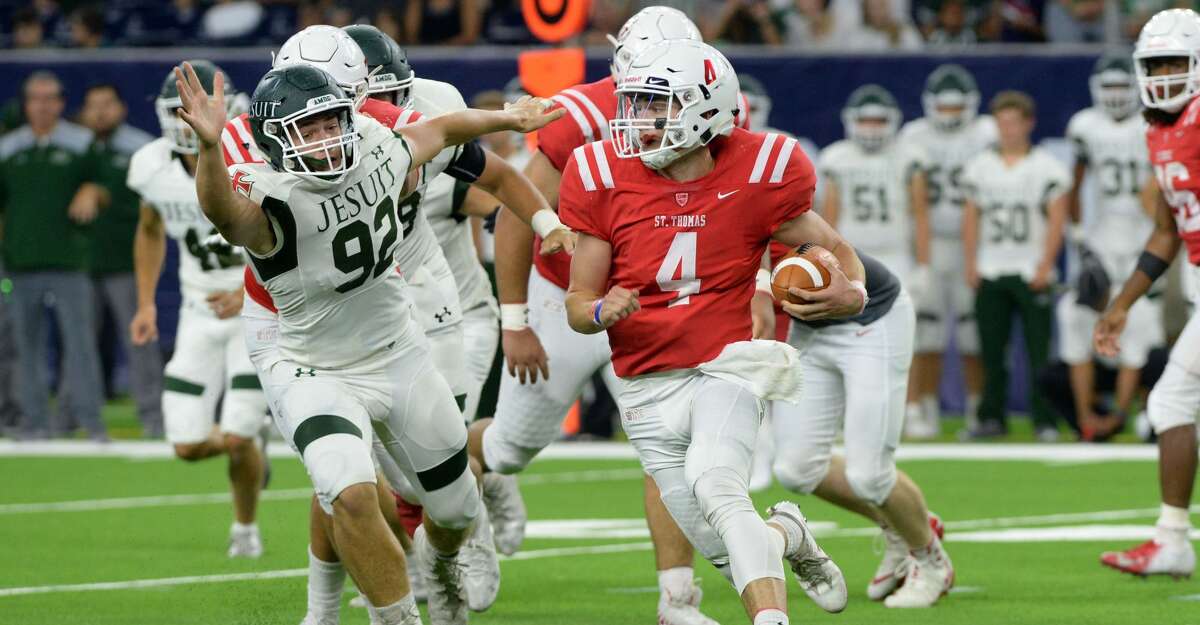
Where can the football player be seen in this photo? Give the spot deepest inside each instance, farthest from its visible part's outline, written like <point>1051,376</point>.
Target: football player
<point>674,214</point>
<point>210,363</point>
<point>1016,205</point>
<point>321,226</point>
<point>532,403</point>
<point>1109,143</point>
<point>950,133</point>
<point>1167,64</point>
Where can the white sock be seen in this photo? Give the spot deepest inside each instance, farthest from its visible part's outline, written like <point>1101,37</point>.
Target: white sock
<point>675,582</point>
<point>399,613</point>
<point>931,408</point>
<point>244,528</point>
<point>1173,524</point>
<point>325,583</point>
<point>771,616</point>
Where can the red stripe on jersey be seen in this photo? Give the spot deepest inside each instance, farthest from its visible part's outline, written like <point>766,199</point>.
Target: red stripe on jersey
<point>257,292</point>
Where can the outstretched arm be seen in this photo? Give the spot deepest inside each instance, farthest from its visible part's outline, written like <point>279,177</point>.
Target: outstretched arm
<point>428,137</point>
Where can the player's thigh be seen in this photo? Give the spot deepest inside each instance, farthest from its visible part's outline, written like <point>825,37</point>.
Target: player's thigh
<point>1143,332</point>
<point>1075,326</point>
<point>481,333</point>
<point>324,417</point>
<point>723,428</point>
<point>193,379</point>
<point>435,295</point>
<point>804,433</point>
<point>874,420</point>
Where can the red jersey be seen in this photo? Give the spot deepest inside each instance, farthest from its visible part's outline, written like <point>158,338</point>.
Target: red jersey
<point>237,145</point>
<point>691,249</point>
<point>1175,155</point>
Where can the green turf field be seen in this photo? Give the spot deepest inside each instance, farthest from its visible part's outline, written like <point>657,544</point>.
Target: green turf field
<point>163,520</point>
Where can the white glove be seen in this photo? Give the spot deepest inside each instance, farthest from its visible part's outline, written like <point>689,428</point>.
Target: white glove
<point>920,283</point>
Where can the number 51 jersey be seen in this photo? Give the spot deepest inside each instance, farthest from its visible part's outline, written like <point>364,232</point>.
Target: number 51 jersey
<point>157,174</point>
<point>331,274</point>
<point>691,249</point>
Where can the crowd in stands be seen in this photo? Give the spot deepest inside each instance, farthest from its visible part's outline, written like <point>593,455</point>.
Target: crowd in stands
<point>829,25</point>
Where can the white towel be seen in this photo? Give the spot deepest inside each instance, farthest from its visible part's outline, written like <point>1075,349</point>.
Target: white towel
<point>769,369</point>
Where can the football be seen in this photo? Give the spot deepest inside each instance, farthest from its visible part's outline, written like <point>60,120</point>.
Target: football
<point>800,268</point>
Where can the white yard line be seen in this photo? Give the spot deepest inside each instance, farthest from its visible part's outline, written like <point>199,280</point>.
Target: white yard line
<point>1066,453</point>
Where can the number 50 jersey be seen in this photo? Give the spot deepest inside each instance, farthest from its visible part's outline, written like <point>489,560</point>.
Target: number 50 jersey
<point>157,174</point>
<point>691,249</point>
<point>331,274</point>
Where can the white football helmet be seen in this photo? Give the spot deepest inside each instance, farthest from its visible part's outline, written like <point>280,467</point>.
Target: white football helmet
<point>685,91</point>
<point>332,50</point>
<point>646,28</point>
<point>1170,33</point>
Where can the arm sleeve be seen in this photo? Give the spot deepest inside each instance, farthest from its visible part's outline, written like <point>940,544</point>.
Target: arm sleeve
<point>577,207</point>
<point>468,165</point>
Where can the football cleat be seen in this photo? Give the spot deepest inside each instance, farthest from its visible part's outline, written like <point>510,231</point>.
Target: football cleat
<point>916,424</point>
<point>481,568</point>
<point>244,543</point>
<point>312,620</point>
<point>928,580</point>
<point>816,573</point>
<point>1154,558</point>
<point>507,511</point>
<point>896,561</point>
<point>447,601</point>
<point>682,609</point>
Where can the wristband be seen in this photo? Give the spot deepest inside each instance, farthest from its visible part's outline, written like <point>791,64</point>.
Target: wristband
<point>762,281</point>
<point>861,288</point>
<point>544,222</point>
<point>514,316</point>
<point>596,308</point>
<point>1152,265</point>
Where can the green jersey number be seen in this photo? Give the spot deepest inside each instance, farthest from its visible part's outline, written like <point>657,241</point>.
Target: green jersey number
<point>1117,177</point>
<point>869,203</point>
<point>1007,222</point>
<point>209,258</point>
<point>408,212</point>
<point>944,183</point>
<point>353,249</point>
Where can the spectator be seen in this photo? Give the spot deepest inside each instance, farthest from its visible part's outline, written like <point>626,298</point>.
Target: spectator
<point>808,23</point>
<point>1013,217</point>
<point>1019,21</point>
<point>47,202</point>
<point>1055,383</point>
<point>388,21</point>
<point>1075,21</point>
<point>87,27</point>
<point>309,14</point>
<point>880,30</point>
<point>606,20</point>
<point>27,29</point>
<point>1135,13</point>
<point>442,22</point>
<point>744,22</point>
<point>54,27</point>
<point>949,22</point>
<point>504,24</point>
<point>232,20</point>
<point>112,245</point>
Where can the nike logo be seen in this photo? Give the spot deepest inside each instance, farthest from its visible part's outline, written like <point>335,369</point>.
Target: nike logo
<point>721,196</point>
<point>862,332</point>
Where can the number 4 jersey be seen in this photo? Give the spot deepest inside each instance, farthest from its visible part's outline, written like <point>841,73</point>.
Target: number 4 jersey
<point>1012,202</point>
<point>1175,154</point>
<point>331,273</point>
<point>691,249</point>
<point>158,175</point>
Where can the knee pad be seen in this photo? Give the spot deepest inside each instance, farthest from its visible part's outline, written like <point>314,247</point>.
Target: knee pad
<point>1173,401</point>
<point>334,456</point>
<point>455,505</point>
<point>872,484</point>
<point>753,554</point>
<point>502,456</point>
<point>931,332</point>
<point>801,475</point>
<point>681,503</point>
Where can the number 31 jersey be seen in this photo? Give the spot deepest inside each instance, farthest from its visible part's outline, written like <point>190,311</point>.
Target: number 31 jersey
<point>331,275</point>
<point>691,249</point>
<point>1175,154</point>
<point>157,174</point>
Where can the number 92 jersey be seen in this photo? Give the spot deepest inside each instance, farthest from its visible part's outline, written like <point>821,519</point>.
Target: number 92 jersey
<point>157,174</point>
<point>1175,155</point>
<point>331,274</point>
<point>691,249</point>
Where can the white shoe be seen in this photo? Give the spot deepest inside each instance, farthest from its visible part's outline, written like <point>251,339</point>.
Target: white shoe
<point>507,510</point>
<point>892,570</point>
<point>312,620</point>
<point>928,580</point>
<point>1174,558</point>
<point>359,601</point>
<point>916,425</point>
<point>244,543</point>
<point>481,567</point>
<point>447,601</point>
<point>683,610</point>
<point>416,582</point>
<point>816,573</point>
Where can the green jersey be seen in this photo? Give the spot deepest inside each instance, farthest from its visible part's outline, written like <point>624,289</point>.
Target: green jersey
<point>112,232</point>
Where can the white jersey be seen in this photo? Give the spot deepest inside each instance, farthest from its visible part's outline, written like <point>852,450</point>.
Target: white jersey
<point>332,274</point>
<point>1012,202</point>
<point>874,207</point>
<point>157,174</point>
<point>1116,227</point>
<point>947,154</point>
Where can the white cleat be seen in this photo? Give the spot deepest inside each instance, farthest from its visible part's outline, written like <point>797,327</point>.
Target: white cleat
<point>892,569</point>
<point>416,582</point>
<point>447,601</point>
<point>312,620</point>
<point>917,425</point>
<point>927,581</point>
<point>1174,558</point>
<point>816,573</point>
<point>245,543</point>
<point>481,567</point>
<point>359,601</point>
<point>507,510</point>
<point>684,609</point>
